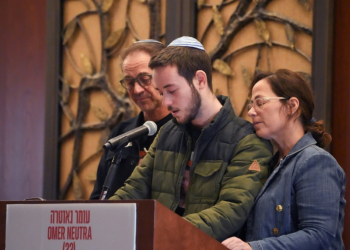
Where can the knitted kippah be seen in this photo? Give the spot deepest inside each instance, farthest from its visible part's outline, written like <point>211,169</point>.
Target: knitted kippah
<point>187,41</point>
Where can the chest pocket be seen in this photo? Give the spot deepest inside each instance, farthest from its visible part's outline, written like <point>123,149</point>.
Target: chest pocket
<point>206,180</point>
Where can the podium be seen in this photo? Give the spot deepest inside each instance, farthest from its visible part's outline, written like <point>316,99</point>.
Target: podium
<point>157,227</point>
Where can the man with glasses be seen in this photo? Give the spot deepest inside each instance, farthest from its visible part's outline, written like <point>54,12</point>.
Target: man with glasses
<point>138,82</point>
<point>206,165</point>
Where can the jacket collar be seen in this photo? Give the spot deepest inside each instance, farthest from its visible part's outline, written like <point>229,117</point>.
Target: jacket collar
<point>134,123</point>
<point>306,141</point>
<point>224,116</point>
<point>139,121</point>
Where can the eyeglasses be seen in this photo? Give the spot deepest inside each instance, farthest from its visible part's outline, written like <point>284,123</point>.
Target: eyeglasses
<point>142,79</point>
<point>259,102</point>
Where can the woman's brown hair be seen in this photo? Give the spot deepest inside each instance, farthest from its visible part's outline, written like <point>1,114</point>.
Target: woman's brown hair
<point>287,84</point>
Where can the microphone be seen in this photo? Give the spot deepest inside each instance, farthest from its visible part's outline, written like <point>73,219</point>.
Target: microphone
<point>148,128</point>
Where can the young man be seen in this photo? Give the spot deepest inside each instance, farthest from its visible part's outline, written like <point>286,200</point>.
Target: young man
<point>207,165</point>
<point>138,82</point>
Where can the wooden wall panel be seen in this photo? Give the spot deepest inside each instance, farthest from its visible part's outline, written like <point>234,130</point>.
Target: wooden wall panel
<point>341,99</point>
<point>22,98</point>
<point>243,54</point>
<point>2,99</point>
<point>84,160</point>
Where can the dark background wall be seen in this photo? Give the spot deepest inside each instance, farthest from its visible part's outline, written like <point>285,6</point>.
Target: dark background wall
<point>23,87</point>
<point>22,98</point>
<point>341,98</point>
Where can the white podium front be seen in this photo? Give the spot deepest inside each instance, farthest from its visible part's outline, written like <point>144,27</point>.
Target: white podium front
<point>84,225</point>
<point>71,226</point>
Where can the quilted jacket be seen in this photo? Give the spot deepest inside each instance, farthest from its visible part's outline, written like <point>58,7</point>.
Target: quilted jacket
<point>223,183</point>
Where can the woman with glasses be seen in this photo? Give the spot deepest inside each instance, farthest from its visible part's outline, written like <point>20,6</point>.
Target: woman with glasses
<point>301,205</point>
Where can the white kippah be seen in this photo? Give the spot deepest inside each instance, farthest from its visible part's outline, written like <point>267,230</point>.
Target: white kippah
<point>147,41</point>
<point>187,41</point>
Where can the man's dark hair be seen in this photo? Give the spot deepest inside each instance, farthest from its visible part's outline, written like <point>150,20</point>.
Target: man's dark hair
<point>187,60</point>
<point>151,48</point>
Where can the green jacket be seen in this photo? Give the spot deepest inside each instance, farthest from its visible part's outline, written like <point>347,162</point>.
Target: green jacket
<point>222,187</point>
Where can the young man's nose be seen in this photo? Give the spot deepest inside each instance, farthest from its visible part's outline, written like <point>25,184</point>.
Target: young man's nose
<point>167,101</point>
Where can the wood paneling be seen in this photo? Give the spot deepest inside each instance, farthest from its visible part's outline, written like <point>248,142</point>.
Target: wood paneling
<point>180,19</point>
<point>73,156</point>
<point>341,98</point>
<point>52,115</point>
<point>322,60</point>
<point>22,98</point>
<point>244,53</point>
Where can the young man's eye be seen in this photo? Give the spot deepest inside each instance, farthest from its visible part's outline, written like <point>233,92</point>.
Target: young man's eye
<point>172,91</point>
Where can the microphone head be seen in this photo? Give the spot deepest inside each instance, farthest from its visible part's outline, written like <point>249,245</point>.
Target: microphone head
<point>152,127</point>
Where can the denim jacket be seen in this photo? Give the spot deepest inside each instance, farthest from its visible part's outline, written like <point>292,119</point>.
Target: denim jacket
<point>301,205</point>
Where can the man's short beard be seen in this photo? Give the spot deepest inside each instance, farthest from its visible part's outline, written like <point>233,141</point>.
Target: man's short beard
<point>193,110</point>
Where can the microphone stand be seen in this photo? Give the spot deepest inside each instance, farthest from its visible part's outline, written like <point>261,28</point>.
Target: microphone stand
<point>106,188</point>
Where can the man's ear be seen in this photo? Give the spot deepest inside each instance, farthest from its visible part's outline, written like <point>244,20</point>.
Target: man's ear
<point>294,105</point>
<point>201,78</point>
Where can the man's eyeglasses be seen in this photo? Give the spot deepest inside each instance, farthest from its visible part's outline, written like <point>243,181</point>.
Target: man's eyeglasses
<point>142,79</point>
<point>259,102</point>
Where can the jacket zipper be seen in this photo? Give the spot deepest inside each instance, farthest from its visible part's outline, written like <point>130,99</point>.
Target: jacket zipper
<point>192,170</point>
<point>180,178</point>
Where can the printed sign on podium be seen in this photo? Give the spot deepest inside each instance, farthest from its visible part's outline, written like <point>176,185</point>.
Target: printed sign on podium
<point>71,226</point>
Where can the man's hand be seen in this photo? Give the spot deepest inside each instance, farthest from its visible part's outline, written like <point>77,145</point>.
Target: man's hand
<point>235,243</point>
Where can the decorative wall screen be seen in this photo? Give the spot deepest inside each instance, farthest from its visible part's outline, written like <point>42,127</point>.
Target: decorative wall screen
<point>243,37</point>
<point>92,100</point>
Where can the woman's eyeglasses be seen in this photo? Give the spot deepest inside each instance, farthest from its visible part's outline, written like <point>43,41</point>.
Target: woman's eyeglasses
<point>259,102</point>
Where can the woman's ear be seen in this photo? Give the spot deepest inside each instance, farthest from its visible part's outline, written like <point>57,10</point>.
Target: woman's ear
<point>293,105</point>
